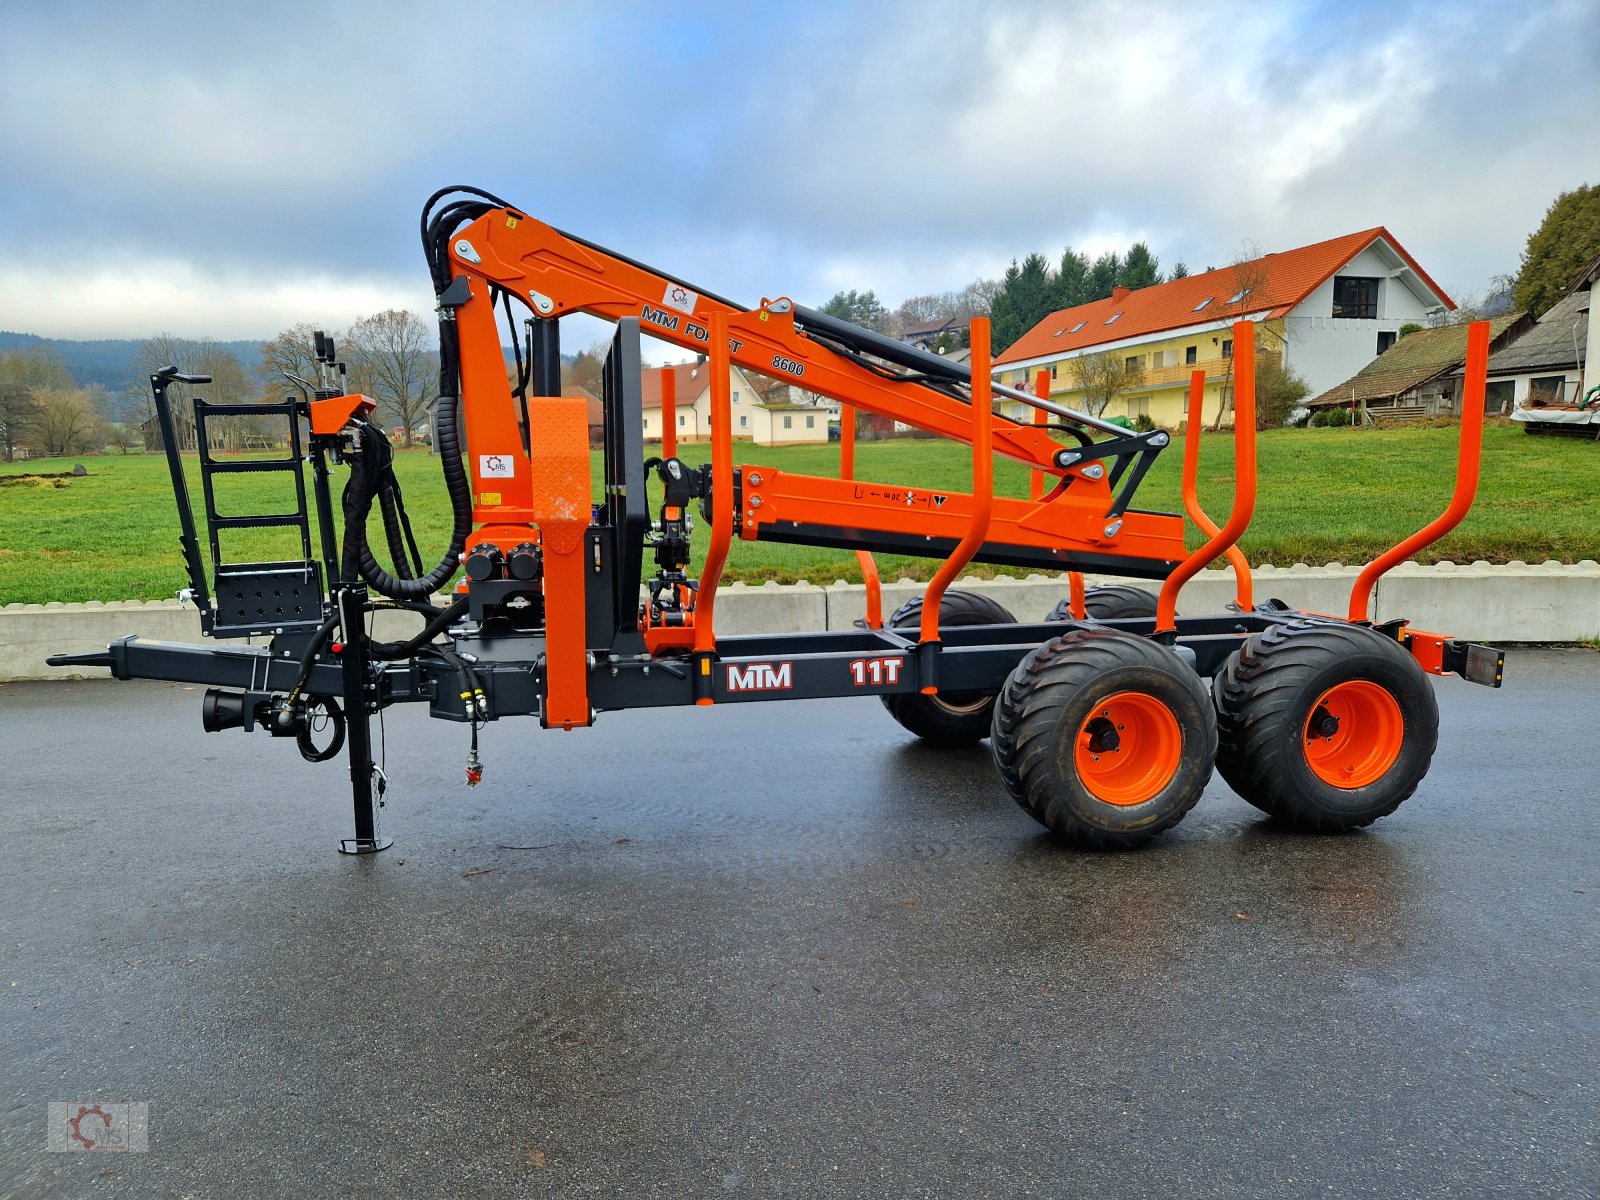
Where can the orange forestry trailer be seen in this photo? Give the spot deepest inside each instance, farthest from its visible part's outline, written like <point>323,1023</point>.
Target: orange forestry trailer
<point>1101,722</point>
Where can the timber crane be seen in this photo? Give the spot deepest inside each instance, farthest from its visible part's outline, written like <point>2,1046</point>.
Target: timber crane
<point>1100,719</point>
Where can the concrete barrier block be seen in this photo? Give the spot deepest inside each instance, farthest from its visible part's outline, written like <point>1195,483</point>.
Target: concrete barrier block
<point>30,633</point>
<point>846,603</point>
<point>1517,602</point>
<point>769,608</point>
<point>1324,589</point>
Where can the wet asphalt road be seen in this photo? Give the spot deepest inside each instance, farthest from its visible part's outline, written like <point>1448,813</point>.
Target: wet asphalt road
<point>781,950</point>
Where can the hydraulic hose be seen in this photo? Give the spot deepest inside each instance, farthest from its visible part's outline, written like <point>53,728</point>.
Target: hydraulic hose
<point>371,476</point>
<point>390,651</point>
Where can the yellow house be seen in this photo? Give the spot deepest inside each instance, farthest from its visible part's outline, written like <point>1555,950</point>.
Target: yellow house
<point>691,382</point>
<point>766,424</point>
<point>1324,311</point>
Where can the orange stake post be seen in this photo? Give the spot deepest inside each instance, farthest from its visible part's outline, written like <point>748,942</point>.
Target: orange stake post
<point>669,413</point>
<point>1243,593</point>
<point>847,470</point>
<point>982,486</point>
<point>1468,459</point>
<point>1036,489</point>
<point>722,514</point>
<point>1244,468</point>
<point>1077,596</point>
<point>1041,389</point>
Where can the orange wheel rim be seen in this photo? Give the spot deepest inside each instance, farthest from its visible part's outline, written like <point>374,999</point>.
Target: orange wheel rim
<point>1128,748</point>
<point>1353,734</point>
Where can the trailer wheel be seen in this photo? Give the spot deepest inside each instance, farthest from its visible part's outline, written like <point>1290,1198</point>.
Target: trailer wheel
<point>1109,602</point>
<point>1104,737</point>
<point>1326,727</point>
<point>949,718</point>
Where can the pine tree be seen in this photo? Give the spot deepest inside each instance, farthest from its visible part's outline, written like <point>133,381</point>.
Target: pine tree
<point>1103,275</point>
<point>1567,238</point>
<point>1180,270</point>
<point>1140,268</point>
<point>859,308</point>
<point>1072,279</point>
<point>1005,326</point>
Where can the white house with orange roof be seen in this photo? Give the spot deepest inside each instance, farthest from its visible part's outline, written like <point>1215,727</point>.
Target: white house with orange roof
<point>1324,310</point>
<point>767,423</point>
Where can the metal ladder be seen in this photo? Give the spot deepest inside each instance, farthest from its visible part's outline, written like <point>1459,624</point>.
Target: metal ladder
<point>245,598</point>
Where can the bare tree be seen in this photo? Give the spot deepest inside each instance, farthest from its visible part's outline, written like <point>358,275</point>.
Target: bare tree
<point>1103,377</point>
<point>231,383</point>
<point>1249,290</point>
<point>291,353</point>
<point>67,423</point>
<point>155,352</point>
<point>586,369</point>
<point>392,360</point>
<point>977,298</point>
<point>24,376</point>
<point>19,411</point>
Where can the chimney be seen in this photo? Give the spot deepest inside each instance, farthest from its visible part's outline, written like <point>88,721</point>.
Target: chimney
<point>1117,293</point>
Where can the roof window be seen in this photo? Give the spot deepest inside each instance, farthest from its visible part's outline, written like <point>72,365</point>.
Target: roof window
<point>1201,305</point>
<point>1077,327</point>
<point>1238,296</point>
<point>1059,332</point>
<point>1112,317</point>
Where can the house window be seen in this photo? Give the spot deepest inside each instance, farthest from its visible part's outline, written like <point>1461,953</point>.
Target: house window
<point>1191,354</point>
<point>744,421</point>
<point>788,422</point>
<point>1355,296</point>
<point>1132,362</point>
<point>1497,396</point>
<point>1386,338</point>
<point>1138,406</point>
<point>736,395</point>
<point>1227,347</point>
<point>811,422</point>
<point>1546,389</point>
<point>1052,371</point>
<point>680,420</point>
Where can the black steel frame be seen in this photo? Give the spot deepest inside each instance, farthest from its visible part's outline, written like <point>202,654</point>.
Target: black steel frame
<point>509,661</point>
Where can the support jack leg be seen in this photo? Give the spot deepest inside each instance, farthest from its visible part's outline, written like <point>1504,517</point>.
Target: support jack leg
<point>367,783</point>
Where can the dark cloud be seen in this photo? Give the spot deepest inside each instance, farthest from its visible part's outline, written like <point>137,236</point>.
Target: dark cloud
<point>256,154</point>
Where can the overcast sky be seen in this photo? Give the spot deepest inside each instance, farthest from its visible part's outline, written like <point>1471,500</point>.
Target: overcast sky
<point>228,170</point>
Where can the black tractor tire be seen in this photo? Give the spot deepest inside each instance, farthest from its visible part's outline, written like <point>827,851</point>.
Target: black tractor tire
<point>949,718</point>
<point>1047,710</point>
<point>1109,602</point>
<point>1272,688</point>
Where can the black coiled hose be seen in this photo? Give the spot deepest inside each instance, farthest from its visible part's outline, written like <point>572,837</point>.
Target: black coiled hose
<point>372,469</point>
<point>371,477</point>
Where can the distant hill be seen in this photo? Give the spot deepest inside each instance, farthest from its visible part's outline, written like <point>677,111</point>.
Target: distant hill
<point>109,361</point>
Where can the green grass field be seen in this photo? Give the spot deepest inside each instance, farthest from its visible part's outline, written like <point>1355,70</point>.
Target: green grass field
<point>1326,495</point>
